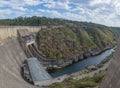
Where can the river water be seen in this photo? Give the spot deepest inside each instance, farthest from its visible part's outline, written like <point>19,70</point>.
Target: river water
<point>80,65</point>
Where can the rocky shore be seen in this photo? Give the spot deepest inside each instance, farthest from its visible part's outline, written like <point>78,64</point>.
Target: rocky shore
<point>83,55</point>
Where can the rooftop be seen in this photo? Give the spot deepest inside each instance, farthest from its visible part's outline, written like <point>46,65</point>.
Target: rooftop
<point>38,73</point>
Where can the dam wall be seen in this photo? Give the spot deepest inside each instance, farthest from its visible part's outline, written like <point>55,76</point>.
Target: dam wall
<point>9,31</point>
<point>11,58</point>
<point>112,78</point>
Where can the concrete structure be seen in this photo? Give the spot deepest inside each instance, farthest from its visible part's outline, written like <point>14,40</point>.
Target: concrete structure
<point>9,31</point>
<point>11,58</point>
<point>26,37</point>
<point>38,73</point>
<point>27,41</point>
<point>112,78</point>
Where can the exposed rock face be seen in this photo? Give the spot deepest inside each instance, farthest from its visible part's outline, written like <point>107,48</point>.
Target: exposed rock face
<point>112,78</point>
<point>69,60</point>
<point>11,57</point>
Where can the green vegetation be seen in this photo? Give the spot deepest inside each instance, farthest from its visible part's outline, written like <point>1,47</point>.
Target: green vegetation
<point>66,42</point>
<point>87,82</point>
<point>71,39</point>
<point>85,71</point>
<point>30,21</point>
<point>58,43</point>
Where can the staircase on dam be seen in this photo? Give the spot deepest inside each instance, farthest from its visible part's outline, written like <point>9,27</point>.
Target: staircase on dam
<point>11,58</point>
<point>112,78</point>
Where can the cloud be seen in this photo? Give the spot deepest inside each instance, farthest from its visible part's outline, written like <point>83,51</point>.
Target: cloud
<point>3,3</point>
<point>41,10</point>
<point>58,4</point>
<point>99,11</point>
<point>117,8</point>
<point>32,2</point>
<point>20,8</point>
<point>5,11</point>
<point>65,15</point>
<point>96,2</point>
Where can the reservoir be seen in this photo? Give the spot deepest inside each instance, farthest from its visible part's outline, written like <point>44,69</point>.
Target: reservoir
<point>81,65</point>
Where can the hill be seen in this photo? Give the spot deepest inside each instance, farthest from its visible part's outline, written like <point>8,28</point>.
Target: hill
<point>68,41</point>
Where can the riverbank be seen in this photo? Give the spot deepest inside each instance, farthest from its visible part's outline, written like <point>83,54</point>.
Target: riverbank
<point>81,56</point>
<point>85,78</point>
<point>105,63</point>
<point>87,82</point>
<point>81,65</point>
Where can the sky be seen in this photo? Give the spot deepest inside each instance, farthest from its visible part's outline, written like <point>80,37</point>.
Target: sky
<point>106,12</point>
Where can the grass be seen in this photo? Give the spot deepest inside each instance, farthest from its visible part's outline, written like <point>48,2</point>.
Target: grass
<point>87,82</point>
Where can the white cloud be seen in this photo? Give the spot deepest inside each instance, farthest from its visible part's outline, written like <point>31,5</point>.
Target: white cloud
<point>41,10</point>
<point>32,2</point>
<point>66,15</point>
<point>73,16</point>
<point>117,8</point>
<point>20,8</point>
<point>5,11</point>
<point>56,4</point>
<point>78,9</point>
<point>99,11</point>
<point>96,2</point>
<point>3,3</point>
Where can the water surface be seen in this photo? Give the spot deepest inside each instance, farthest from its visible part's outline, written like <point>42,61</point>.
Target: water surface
<point>80,65</point>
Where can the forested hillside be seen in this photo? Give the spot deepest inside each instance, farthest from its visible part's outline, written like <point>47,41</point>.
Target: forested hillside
<point>69,41</point>
<point>31,21</point>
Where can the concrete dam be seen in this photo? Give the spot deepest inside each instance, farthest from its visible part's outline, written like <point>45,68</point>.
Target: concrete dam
<point>10,31</point>
<point>112,78</point>
<point>13,54</point>
<point>11,57</point>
